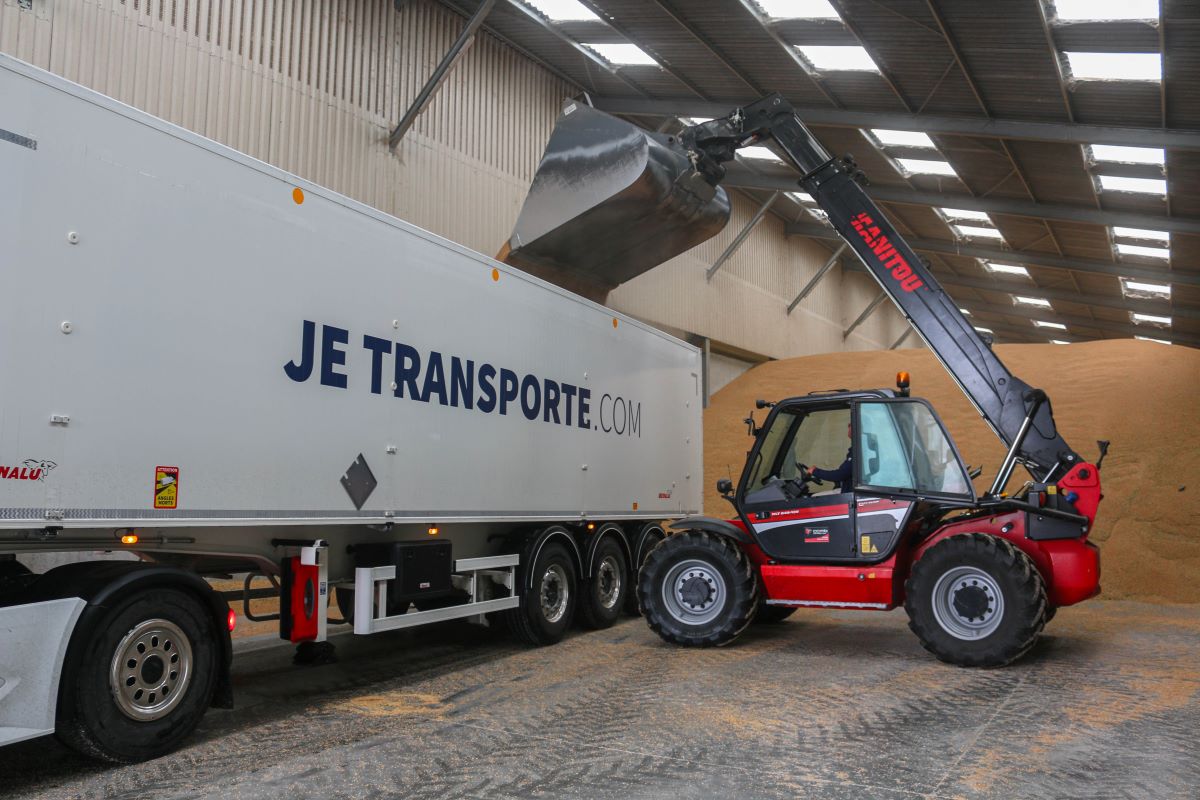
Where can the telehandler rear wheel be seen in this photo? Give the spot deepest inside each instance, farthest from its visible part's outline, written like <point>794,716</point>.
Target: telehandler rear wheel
<point>698,590</point>
<point>976,601</point>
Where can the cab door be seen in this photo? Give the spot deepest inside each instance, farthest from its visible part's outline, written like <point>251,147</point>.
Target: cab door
<point>789,523</point>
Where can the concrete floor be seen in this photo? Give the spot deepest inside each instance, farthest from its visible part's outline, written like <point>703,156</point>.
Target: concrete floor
<point>828,704</point>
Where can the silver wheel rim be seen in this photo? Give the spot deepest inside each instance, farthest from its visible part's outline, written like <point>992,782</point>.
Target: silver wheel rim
<point>694,592</point>
<point>554,593</point>
<point>608,580</point>
<point>151,669</point>
<point>968,603</point>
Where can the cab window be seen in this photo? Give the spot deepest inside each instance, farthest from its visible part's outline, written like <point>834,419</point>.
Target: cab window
<point>816,438</point>
<point>903,448</point>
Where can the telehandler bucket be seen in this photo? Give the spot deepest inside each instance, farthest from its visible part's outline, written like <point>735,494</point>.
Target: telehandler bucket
<point>609,202</point>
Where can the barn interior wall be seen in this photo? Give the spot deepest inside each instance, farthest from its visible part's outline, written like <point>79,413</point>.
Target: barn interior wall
<point>314,87</point>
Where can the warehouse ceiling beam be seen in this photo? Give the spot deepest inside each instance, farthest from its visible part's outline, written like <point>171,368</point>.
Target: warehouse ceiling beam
<point>866,313</point>
<point>1068,295</point>
<point>1029,257</point>
<point>741,237</point>
<point>777,177</point>
<point>425,96</point>
<point>1128,329</point>
<point>812,283</point>
<point>1073,133</point>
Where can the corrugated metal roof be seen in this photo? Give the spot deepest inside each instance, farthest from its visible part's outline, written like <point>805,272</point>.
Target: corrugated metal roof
<point>956,58</point>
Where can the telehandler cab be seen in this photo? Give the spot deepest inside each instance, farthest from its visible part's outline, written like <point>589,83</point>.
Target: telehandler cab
<point>978,576</point>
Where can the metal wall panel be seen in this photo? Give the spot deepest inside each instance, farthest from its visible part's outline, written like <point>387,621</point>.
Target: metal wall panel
<point>314,86</point>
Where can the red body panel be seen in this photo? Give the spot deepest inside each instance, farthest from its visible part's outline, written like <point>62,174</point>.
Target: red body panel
<point>1070,567</point>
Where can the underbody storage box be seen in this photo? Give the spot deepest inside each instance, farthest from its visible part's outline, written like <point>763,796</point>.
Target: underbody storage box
<point>422,567</point>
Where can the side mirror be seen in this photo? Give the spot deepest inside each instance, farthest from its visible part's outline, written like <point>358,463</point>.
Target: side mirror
<point>751,428</point>
<point>974,472</point>
<point>725,487</point>
<point>760,404</point>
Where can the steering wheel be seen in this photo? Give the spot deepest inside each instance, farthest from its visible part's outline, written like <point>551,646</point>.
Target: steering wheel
<point>808,477</point>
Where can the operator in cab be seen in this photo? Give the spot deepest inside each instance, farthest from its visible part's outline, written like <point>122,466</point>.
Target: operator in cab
<point>842,477</point>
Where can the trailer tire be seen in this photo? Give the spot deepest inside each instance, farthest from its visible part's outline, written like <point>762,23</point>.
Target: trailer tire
<point>548,607</point>
<point>648,538</point>
<point>976,601</point>
<point>602,596</point>
<point>698,590</point>
<point>110,706</point>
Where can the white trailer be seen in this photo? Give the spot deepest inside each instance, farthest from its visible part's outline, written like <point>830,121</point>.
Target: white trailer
<point>225,369</point>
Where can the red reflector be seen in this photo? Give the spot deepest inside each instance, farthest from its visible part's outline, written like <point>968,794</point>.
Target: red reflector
<point>231,620</point>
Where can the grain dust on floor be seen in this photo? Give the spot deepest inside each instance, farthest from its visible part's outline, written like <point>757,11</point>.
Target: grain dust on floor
<point>825,705</point>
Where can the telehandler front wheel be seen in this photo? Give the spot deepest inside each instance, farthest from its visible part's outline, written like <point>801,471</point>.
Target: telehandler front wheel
<point>698,590</point>
<point>976,601</point>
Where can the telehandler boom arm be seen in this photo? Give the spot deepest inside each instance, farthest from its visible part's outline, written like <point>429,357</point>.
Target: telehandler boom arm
<point>1003,400</point>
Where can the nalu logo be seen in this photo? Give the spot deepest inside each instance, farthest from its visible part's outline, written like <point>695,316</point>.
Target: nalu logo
<point>31,469</point>
<point>886,252</point>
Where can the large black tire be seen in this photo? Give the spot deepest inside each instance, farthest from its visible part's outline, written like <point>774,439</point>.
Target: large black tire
<point>976,601</point>
<point>698,590</point>
<point>602,596</point>
<point>647,538</point>
<point>772,615</point>
<point>547,608</point>
<point>153,639</point>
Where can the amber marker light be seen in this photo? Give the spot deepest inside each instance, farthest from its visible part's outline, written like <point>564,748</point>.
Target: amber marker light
<point>298,195</point>
<point>433,530</point>
<point>129,538</point>
<point>591,526</point>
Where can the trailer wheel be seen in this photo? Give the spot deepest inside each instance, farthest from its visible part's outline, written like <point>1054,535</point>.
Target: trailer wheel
<point>604,594</point>
<point>548,607</point>
<point>144,677</point>
<point>976,601</point>
<point>698,590</point>
<point>649,537</point>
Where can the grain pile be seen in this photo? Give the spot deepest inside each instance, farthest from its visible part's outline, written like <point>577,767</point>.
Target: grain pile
<point>1143,396</point>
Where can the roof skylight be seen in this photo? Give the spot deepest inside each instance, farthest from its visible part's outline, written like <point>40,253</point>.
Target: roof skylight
<point>1141,233</point>
<point>798,9</point>
<point>1041,323</point>
<point>1132,288</point>
<point>801,197</point>
<point>1040,302</point>
<point>1115,66</point>
<point>759,152</point>
<point>925,166</point>
<point>963,213</point>
<point>838,57</point>
<point>1142,250</point>
<point>983,330</point>
<point>1120,183</point>
<point>891,138</point>
<point>1006,269</point>
<point>1059,341</point>
<point>1104,10</point>
<point>562,10</point>
<point>622,53</point>
<point>978,232</point>
<point>1124,154</point>
<point>1150,339</point>
<point>965,312</point>
<point>1149,319</point>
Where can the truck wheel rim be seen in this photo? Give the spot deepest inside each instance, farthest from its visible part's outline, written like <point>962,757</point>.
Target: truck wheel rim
<point>694,592</point>
<point>554,593</point>
<point>151,669</point>
<point>608,579</point>
<point>968,603</point>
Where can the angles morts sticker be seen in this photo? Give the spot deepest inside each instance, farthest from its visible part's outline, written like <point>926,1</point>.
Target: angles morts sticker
<point>166,487</point>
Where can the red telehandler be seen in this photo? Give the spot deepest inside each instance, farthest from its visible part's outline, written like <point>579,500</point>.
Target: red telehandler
<point>978,575</point>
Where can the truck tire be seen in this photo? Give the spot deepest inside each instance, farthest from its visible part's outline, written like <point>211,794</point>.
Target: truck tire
<point>143,678</point>
<point>648,537</point>
<point>976,601</point>
<point>772,615</point>
<point>548,607</point>
<point>603,595</point>
<point>698,590</point>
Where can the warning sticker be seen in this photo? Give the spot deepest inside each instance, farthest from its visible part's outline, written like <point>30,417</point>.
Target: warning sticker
<point>166,487</point>
<point>866,546</point>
